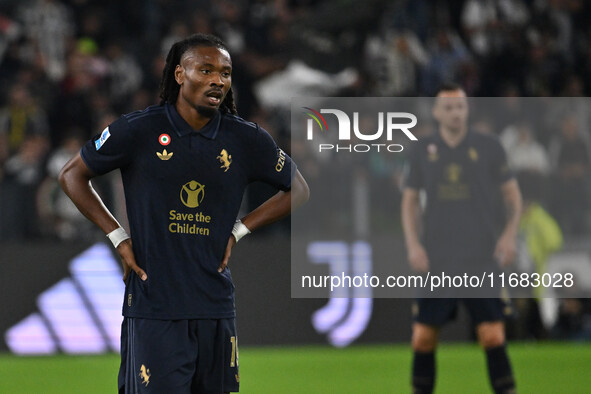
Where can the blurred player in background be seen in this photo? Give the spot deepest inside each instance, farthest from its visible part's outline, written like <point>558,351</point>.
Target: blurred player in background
<point>185,165</point>
<point>460,172</point>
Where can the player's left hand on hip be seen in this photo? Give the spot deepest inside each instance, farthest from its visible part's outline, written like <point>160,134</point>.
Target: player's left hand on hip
<point>128,260</point>
<point>231,243</point>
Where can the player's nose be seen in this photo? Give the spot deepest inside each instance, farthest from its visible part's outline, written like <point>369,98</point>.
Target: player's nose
<point>217,80</point>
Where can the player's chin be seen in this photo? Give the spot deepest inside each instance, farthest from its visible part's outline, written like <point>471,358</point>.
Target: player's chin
<point>207,110</point>
<point>456,125</point>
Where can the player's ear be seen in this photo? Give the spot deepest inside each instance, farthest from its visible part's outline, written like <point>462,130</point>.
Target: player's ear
<point>179,74</point>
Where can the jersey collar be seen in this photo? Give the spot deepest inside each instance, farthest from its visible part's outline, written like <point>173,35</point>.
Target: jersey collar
<point>182,128</point>
<point>439,140</point>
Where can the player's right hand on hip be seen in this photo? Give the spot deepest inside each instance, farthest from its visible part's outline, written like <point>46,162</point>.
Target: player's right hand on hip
<point>227,253</point>
<point>128,261</point>
<point>417,257</point>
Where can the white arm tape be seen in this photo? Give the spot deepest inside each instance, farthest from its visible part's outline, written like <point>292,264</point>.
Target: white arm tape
<point>239,230</point>
<point>117,236</point>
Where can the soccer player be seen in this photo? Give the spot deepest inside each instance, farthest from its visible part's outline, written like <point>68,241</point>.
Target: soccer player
<point>459,171</point>
<point>185,164</point>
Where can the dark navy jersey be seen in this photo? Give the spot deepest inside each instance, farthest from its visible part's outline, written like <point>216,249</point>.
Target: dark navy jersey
<point>183,189</point>
<point>462,186</point>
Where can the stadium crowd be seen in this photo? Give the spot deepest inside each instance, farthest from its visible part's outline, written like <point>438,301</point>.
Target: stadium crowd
<point>70,67</point>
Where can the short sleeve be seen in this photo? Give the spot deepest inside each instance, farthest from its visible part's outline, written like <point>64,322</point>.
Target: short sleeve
<point>109,150</point>
<point>501,172</point>
<point>413,178</point>
<point>270,164</point>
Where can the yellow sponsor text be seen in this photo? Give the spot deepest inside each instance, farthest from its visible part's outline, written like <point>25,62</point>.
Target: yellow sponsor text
<point>198,217</point>
<point>280,161</point>
<point>185,228</point>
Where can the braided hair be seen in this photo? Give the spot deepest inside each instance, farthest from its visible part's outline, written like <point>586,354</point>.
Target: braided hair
<point>169,88</point>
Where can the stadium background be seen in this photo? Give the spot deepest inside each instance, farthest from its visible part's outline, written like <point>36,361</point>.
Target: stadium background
<point>67,68</point>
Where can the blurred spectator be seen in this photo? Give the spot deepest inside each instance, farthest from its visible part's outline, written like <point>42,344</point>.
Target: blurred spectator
<point>479,19</point>
<point>488,24</point>
<point>178,30</point>
<point>571,102</point>
<point>299,80</point>
<point>20,119</point>
<point>125,75</point>
<point>58,216</point>
<point>330,43</point>
<point>555,20</point>
<point>539,236</point>
<point>268,53</point>
<point>447,56</point>
<point>543,70</point>
<point>22,174</point>
<point>229,26</point>
<point>571,158</point>
<point>48,25</point>
<point>86,72</point>
<point>524,153</point>
<point>9,32</point>
<point>394,60</point>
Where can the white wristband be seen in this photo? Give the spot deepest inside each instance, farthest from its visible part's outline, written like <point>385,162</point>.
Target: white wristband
<point>117,236</point>
<point>239,230</point>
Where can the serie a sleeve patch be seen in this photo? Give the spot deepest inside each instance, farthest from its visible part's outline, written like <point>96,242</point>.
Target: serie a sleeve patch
<point>102,139</point>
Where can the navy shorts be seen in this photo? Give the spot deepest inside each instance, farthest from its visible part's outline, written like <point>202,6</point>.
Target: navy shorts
<point>438,311</point>
<point>178,356</point>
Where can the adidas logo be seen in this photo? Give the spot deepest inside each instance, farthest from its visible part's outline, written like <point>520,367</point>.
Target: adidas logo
<point>164,155</point>
<point>79,314</point>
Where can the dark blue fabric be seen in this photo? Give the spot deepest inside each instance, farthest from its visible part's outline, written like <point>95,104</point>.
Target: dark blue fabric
<point>178,356</point>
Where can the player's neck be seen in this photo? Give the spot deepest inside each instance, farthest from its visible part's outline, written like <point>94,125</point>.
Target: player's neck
<point>452,138</point>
